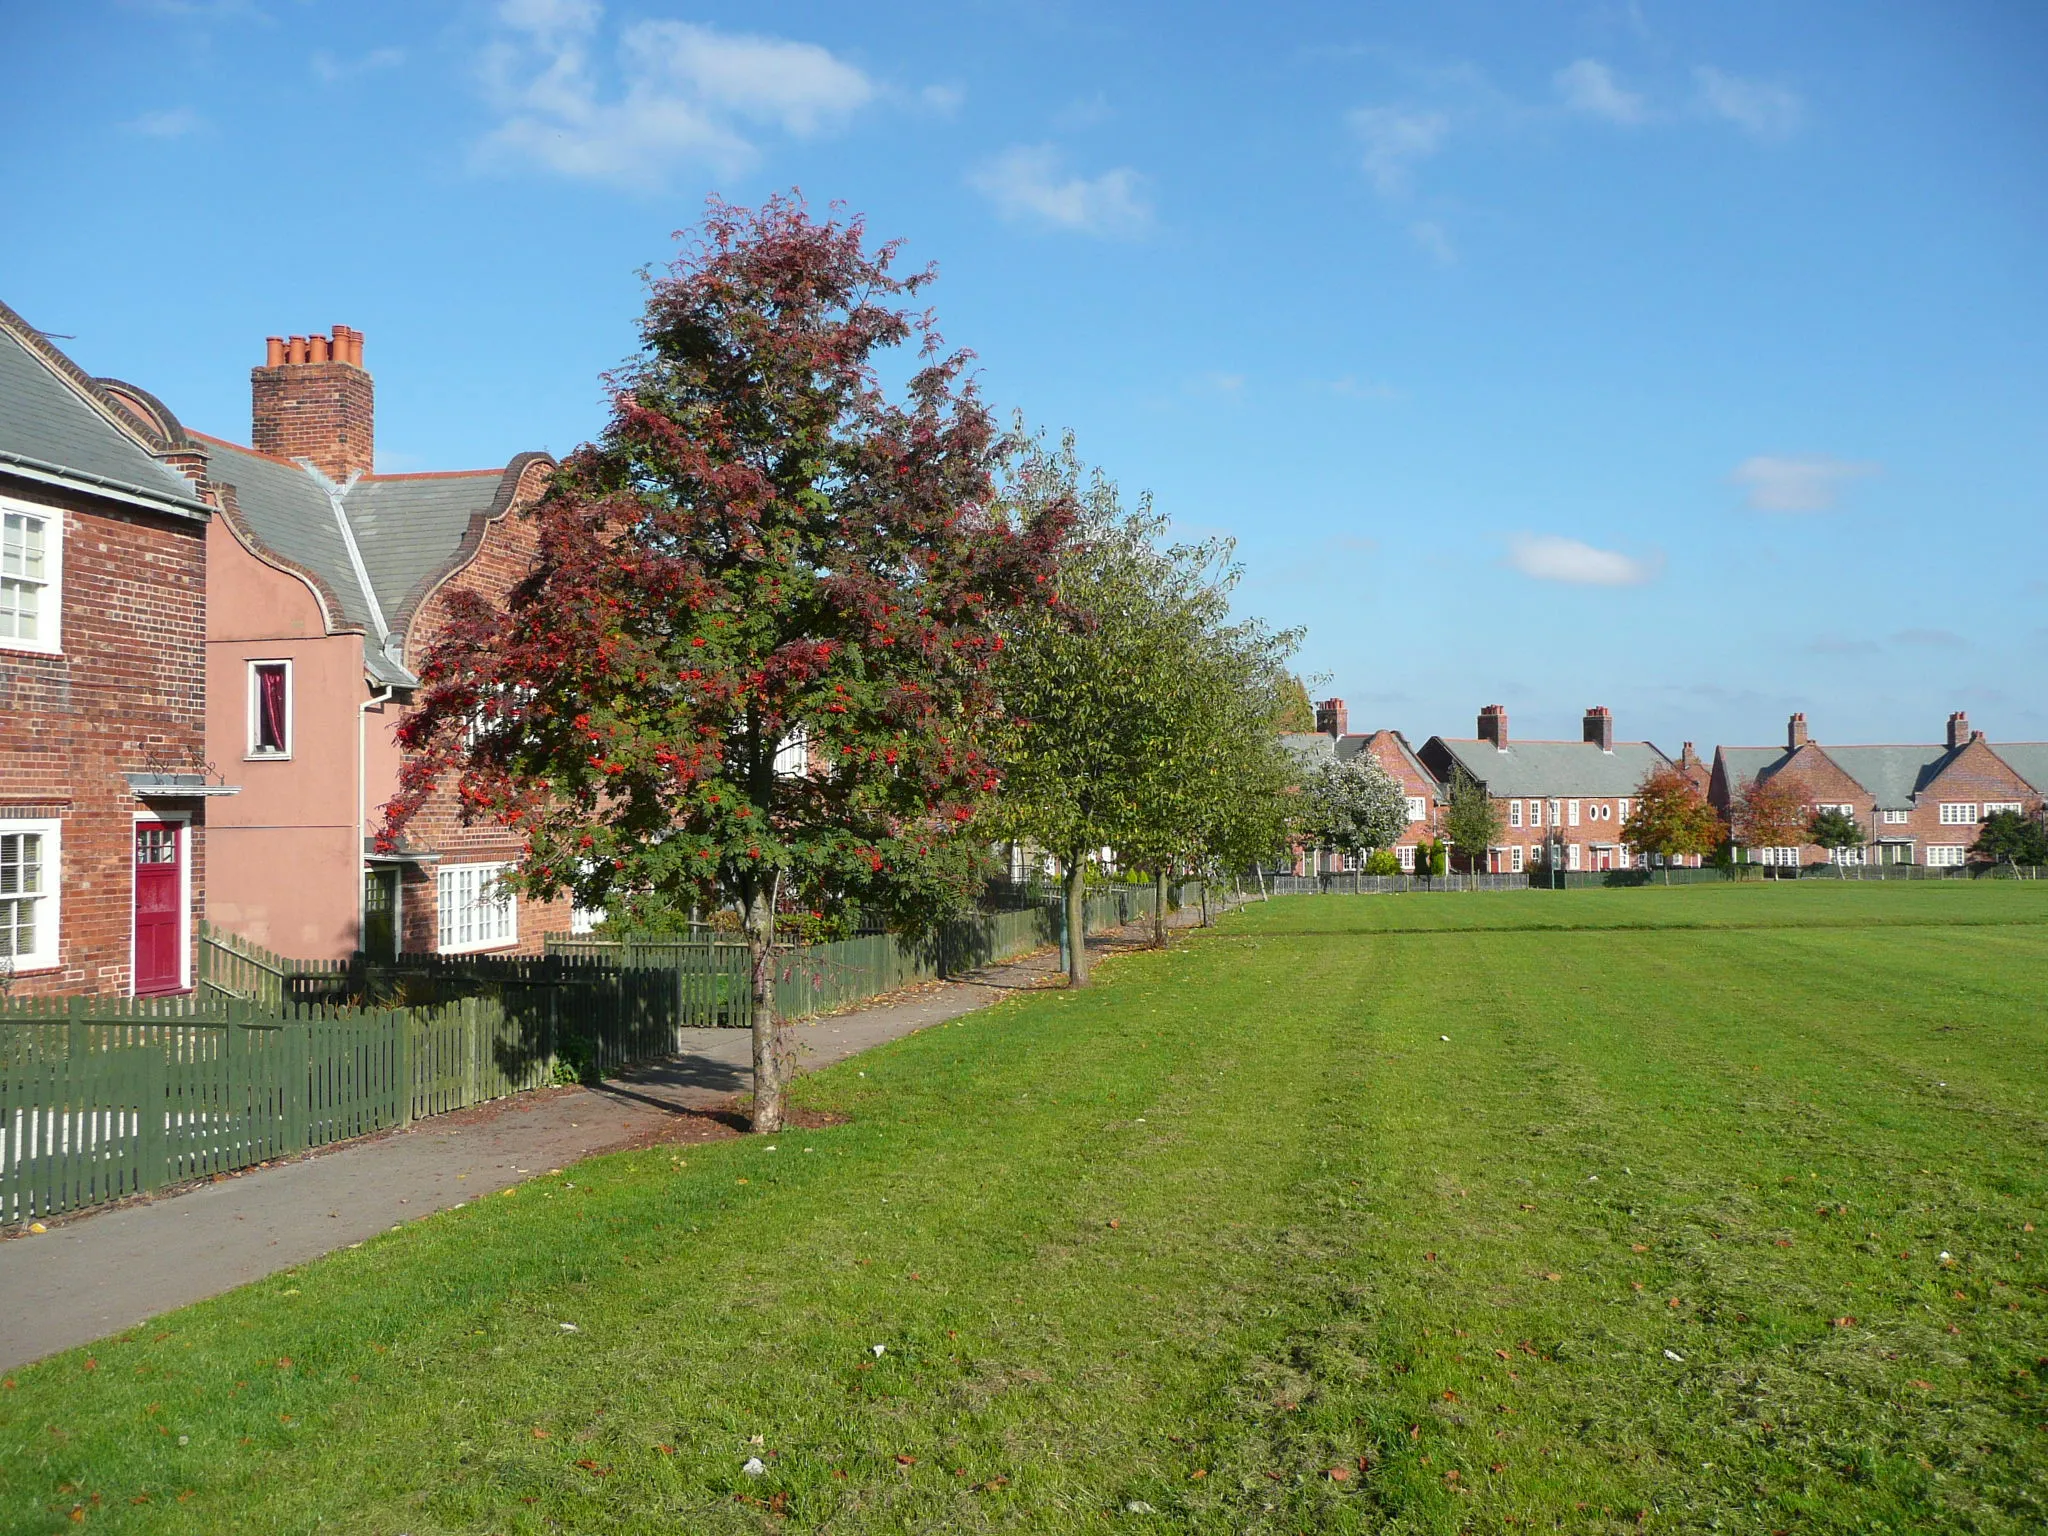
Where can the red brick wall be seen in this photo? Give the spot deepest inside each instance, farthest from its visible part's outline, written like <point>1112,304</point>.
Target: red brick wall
<point>502,560</point>
<point>127,694</point>
<point>1974,776</point>
<point>320,411</point>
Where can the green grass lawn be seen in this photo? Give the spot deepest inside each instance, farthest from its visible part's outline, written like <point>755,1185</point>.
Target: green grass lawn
<point>1234,1242</point>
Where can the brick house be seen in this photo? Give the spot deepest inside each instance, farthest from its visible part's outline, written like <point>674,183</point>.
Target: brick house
<point>1917,804</point>
<point>1333,741</point>
<point>327,584</point>
<point>104,781</point>
<point>1576,794</point>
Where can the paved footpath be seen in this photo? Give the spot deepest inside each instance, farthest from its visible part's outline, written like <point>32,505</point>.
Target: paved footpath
<point>98,1273</point>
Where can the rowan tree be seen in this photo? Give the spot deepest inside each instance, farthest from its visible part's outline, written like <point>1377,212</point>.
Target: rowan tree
<point>1770,813</point>
<point>1671,819</point>
<point>752,660</point>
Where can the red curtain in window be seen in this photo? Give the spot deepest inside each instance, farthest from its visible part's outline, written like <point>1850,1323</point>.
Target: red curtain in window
<point>270,708</point>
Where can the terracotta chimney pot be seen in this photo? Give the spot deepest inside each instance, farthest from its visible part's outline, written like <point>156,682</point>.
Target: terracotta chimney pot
<point>295,350</point>
<point>273,351</point>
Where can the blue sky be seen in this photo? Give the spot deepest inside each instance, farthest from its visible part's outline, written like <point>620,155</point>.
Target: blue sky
<point>1684,359</point>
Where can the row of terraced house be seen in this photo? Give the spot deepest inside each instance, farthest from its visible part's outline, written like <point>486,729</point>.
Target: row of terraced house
<point>1919,804</point>
<point>206,647</point>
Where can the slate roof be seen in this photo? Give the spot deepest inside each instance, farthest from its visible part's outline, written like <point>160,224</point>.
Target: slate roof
<point>55,420</point>
<point>1309,748</point>
<point>1891,775</point>
<point>409,531</point>
<point>1543,769</point>
<point>2028,759</point>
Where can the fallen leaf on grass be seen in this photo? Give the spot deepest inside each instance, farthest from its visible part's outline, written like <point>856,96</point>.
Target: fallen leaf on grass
<point>1845,1322</point>
<point>1199,1472</point>
<point>1638,1247</point>
<point>1340,1474</point>
<point>1924,1386</point>
<point>1502,1353</point>
<point>1498,1466</point>
<point>995,1483</point>
<point>594,1469</point>
<point>1674,1302</point>
<point>541,1434</point>
<point>666,1450</point>
<point>1551,1274</point>
<point>905,1461</point>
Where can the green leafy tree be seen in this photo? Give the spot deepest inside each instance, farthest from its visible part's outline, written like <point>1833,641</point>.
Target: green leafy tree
<point>1294,713</point>
<point>2013,838</point>
<point>1472,822</point>
<point>1382,861</point>
<point>1671,819</point>
<point>752,664</point>
<point>1142,715</point>
<point>1835,830</point>
<point>1353,806</point>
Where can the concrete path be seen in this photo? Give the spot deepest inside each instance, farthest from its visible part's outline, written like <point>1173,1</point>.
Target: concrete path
<point>100,1272</point>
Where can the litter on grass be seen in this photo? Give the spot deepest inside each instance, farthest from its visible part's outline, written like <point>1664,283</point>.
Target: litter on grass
<point>570,1328</point>
<point>1672,1354</point>
<point>755,1466</point>
<point>879,1350</point>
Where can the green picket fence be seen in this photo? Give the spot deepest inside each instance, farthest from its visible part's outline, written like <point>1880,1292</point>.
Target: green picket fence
<point>102,1098</point>
<point>817,978</point>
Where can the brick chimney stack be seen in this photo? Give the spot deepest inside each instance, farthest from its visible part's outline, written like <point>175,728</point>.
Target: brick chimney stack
<point>312,400</point>
<point>1795,732</point>
<point>1599,728</point>
<point>1958,730</point>
<point>1493,726</point>
<point>1332,718</point>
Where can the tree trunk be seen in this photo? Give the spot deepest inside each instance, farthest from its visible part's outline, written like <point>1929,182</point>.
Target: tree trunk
<point>1158,909</point>
<point>771,1059</point>
<point>1077,924</point>
<point>1205,903</point>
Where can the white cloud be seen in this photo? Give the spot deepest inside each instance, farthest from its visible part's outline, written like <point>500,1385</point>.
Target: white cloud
<point>1810,484</point>
<point>173,123</point>
<point>1430,235</point>
<point>687,93</point>
<point>333,70</point>
<point>1548,557</point>
<point>1395,139</point>
<point>1589,86</point>
<point>1028,183</point>
<point>1757,107</point>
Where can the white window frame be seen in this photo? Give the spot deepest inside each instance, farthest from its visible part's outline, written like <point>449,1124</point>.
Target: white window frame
<point>1959,813</point>
<point>47,954</point>
<point>253,753</point>
<point>1898,818</point>
<point>1571,855</point>
<point>1556,809</point>
<point>1621,809</point>
<point>1945,855</point>
<point>466,918</point>
<point>1991,808</point>
<point>1571,813</point>
<point>49,616</point>
<point>1514,858</point>
<point>1418,808</point>
<point>1514,813</point>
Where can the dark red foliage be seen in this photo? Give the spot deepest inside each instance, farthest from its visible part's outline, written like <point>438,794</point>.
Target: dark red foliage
<point>763,548</point>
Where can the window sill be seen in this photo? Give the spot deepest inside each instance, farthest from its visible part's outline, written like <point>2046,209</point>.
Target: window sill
<point>478,949</point>
<point>266,757</point>
<point>36,967</point>
<point>14,647</point>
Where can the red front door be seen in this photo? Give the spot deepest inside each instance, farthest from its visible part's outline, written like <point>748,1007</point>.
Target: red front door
<point>159,908</point>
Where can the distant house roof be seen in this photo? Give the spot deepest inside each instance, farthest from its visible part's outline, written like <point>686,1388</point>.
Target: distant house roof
<point>1309,748</point>
<point>2028,759</point>
<point>376,545</point>
<point>1891,775</point>
<point>1552,768</point>
<point>57,425</point>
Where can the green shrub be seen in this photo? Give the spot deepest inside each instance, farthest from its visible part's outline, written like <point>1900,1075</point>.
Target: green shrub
<point>1381,861</point>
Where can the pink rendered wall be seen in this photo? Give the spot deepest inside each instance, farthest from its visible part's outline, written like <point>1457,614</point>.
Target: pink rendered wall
<point>284,855</point>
